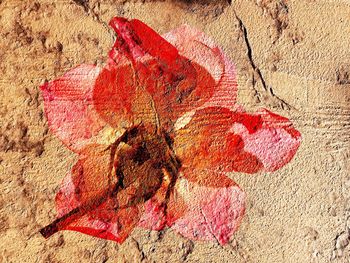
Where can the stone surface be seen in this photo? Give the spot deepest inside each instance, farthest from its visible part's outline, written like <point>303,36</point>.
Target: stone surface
<point>292,56</point>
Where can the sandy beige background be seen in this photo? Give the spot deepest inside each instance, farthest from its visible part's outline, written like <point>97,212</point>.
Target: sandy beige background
<point>292,57</point>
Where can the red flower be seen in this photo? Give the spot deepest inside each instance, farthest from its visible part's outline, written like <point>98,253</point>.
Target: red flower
<point>156,130</point>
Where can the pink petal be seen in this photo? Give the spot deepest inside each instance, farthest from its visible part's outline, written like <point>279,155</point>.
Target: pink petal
<point>212,213</point>
<point>69,106</point>
<point>153,217</point>
<point>274,144</point>
<point>201,49</point>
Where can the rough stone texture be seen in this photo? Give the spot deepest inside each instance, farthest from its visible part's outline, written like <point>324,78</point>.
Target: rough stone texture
<point>292,56</point>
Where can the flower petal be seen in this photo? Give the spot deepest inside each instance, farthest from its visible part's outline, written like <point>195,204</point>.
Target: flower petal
<point>156,216</point>
<point>85,205</point>
<point>153,217</point>
<point>115,225</point>
<point>87,181</point>
<point>201,49</point>
<point>119,99</point>
<point>274,143</point>
<point>212,213</point>
<point>158,212</point>
<point>93,201</point>
<point>217,138</point>
<point>207,143</point>
<point>176,84</point>
<point>103,221</point>
<point>135,39</point>
<point>69,106</point>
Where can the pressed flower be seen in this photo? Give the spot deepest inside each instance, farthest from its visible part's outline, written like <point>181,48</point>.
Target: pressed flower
<point>156,131</point>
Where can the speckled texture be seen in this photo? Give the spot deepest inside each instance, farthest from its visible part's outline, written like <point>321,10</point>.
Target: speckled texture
<point>291,56</point>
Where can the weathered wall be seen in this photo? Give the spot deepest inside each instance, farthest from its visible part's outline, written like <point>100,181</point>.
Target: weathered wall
<point>292,56</point>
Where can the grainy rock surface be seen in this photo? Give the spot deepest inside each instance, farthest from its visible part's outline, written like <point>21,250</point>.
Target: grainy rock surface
<point>292,56</point>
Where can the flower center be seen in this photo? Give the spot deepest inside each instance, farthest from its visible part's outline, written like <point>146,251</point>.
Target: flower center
<point>144,161</point>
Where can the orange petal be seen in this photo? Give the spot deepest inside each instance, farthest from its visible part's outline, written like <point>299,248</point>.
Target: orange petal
<point>217,138</point>
<point>89,179</point>
<point>85,205</point>
<point>119,98</point>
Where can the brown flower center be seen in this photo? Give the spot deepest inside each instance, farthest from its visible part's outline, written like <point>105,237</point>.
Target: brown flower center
<point>143,160</point>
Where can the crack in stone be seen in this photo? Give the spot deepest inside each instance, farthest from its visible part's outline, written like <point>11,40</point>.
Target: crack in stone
<point>284,105</point>
<point>250,57</point>
<point>139,248</point>
<point>235,248</point>
<point>189,250</point>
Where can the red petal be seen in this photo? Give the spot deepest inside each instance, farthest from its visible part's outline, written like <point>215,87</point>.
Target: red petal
<point>117,226</point>
<point>212,213</point>
<point>196,46</point>
<point>135,39</point>
<point>217,138</point>
<point>69,106</point>
<point>175,83</point>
